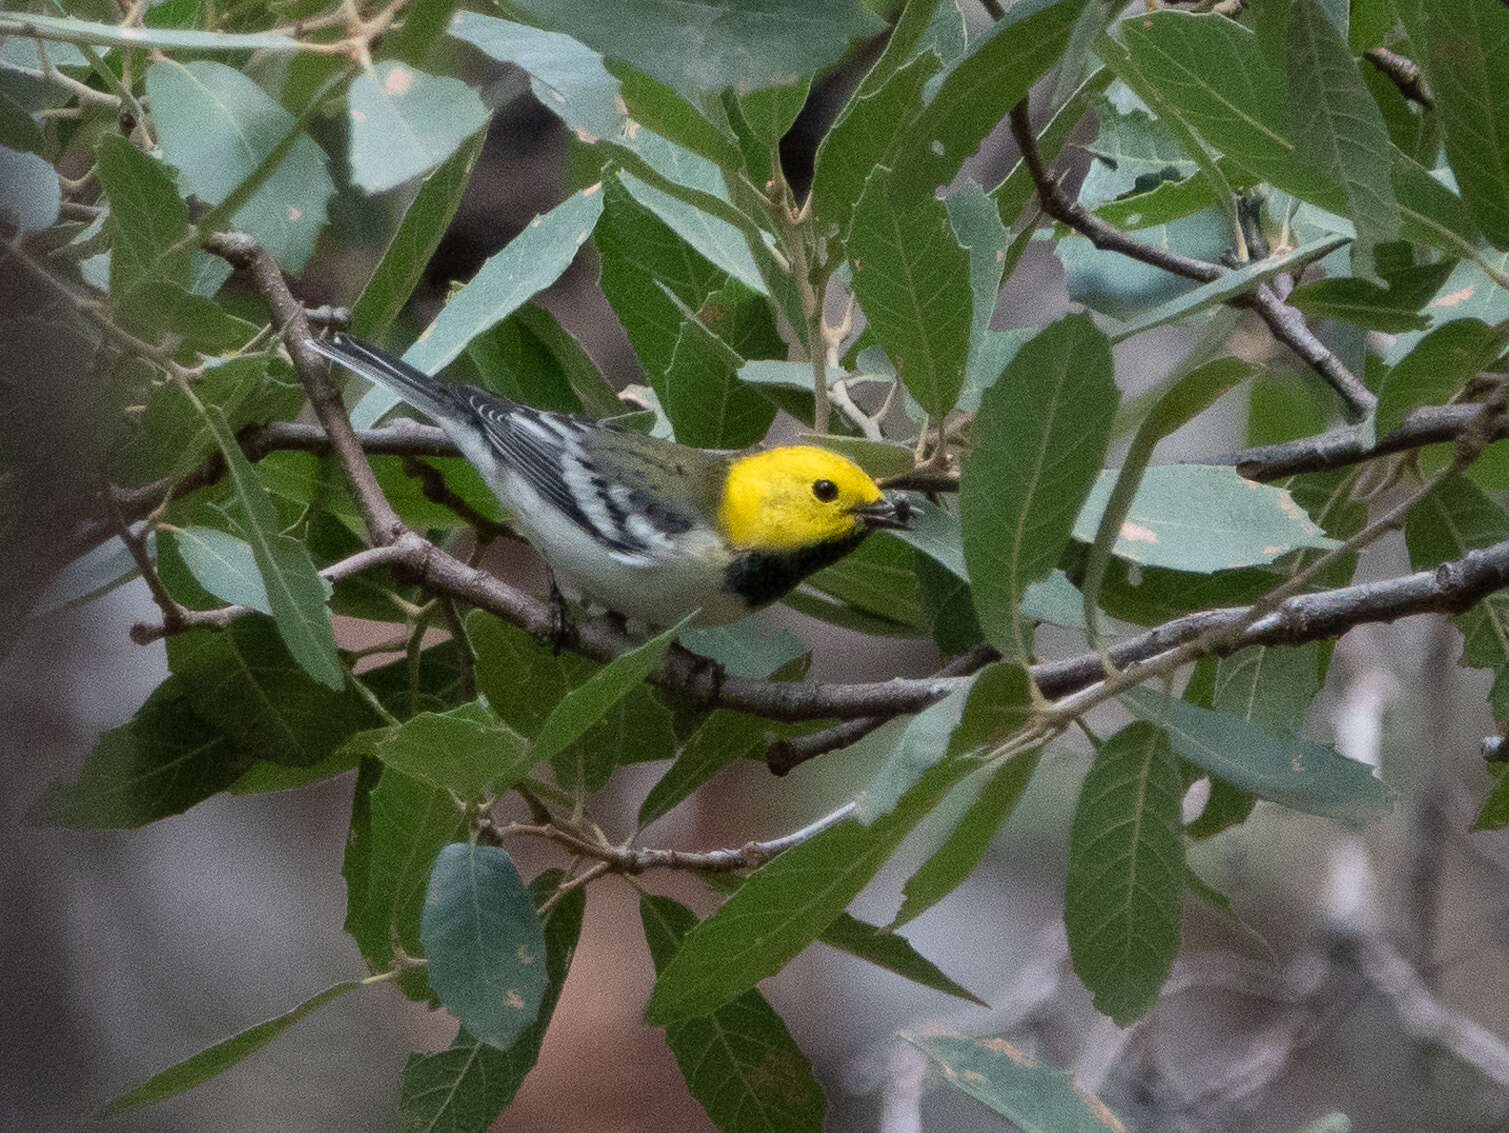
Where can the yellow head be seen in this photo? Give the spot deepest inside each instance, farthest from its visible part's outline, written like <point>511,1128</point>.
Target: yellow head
<point>785,498</point>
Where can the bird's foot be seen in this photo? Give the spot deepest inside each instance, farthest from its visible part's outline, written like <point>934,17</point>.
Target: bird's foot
<point>704,675</point>
<point>561,632</point>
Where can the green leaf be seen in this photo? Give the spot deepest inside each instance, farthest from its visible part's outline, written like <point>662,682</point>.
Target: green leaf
<point>223,565</point>
<point>94,573</point>
<point>653,104</point>
<point>461,1089</point>
<point>295,590</point>
<point>1393,310</point>
<point>242,680</point>
<point>1268,686</point>
<point>921,745</point>
<point>1437,369</point>
<point>19,131</point>
<point>977,225</point>
<point>408,253</point>
<point>524,681</point>
<point>1202,518</point>
<point>1469,73</point>
<point>263,776</point>
<point>1468,293</point>
<point>165,760</point>
<point>532,261</point>
<point>175,437</point>
<point>1213,78</point>
<point>740,1062</point>
<point>1185,397</point>
<point>749,648</point>
<point>590,701</point>
<point>949,606</point>
<point>708,405</point>
<point>878,579</point>
<point>148,221</point>
<point>567,77</point>
<point>157,307</point>
<point>1341,129</point>
<point>760,120</point>
<point>424,21</point>
<point>706,45</point>
<point>686,191</point>
<point>722,738</point>
<point>29,192</point>
<point>1226,287</point>
<point>964,848</point>
<point>1133,153</point>
<point>484,943</point>
<point>1211,72</point>
<point>1456,518</point>
<point>1040,438</point>
<point>465,751</point>
<point>217,127</point>
<point>222,1056</point>
<point>704,221</point>
<point>397,829</point>
<point>64,29</point>
<point>994,76</point>
<point>912,279</point>
<point>936,532</point>
<point>1035,1096</point>
<point>785,906</point>
<point>867,135</point>
<point>645,264</point>
<point>1126,872</point>
<point>1170,201</point>
<point>1304,776</point>
<point>894,953</point>
<point>405,122</point>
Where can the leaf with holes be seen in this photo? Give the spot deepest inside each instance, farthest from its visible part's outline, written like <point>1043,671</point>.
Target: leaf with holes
<point>1011,1082</point>
<point>484,942</point>
<point>463,1088</point>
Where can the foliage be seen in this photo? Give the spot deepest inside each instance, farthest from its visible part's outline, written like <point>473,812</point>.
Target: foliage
<point>1238,164</point>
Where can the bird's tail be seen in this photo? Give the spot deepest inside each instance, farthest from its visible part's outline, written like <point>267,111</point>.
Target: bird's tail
<point>429,395</point>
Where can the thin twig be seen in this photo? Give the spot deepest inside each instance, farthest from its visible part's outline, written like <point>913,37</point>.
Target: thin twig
<point>634,860</point>
<point>223,616</point>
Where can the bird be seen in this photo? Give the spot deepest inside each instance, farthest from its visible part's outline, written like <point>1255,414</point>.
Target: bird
<point>649,529</point>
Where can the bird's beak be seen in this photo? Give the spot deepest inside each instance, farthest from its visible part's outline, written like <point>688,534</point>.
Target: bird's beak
<point>893,512</point>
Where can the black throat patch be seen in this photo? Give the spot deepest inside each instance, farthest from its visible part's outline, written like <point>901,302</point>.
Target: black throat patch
<point>760,577</point>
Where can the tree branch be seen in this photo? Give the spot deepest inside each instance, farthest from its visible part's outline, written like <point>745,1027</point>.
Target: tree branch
<point>382,522</point>
<point>1436,424</point>
<point>1404,73</point>
<point>633,860</point>
<point>1104,235</point>
<point>1286,323</point>
<point>1450,588</point>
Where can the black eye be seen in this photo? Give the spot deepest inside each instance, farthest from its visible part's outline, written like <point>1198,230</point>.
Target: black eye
<point>825,490</point>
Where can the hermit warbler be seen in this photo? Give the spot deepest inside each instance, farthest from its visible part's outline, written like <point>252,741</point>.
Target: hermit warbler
<point>651,529</point>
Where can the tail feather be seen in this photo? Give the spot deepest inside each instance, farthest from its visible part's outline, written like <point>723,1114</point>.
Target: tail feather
<point>429,395</point>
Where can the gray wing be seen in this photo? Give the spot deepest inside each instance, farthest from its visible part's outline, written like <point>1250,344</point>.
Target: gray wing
<point>550,452</point>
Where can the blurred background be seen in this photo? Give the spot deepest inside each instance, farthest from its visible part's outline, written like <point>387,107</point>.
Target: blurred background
<point>127,951</point>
